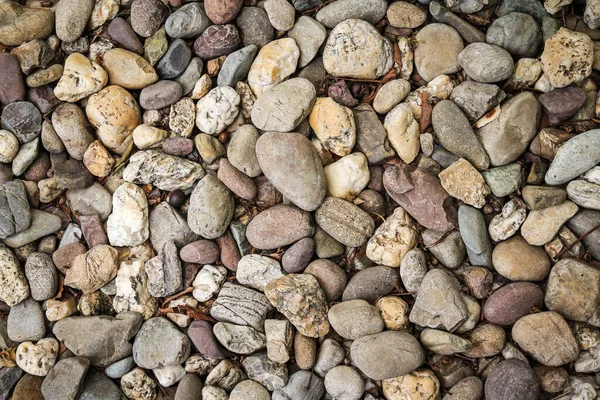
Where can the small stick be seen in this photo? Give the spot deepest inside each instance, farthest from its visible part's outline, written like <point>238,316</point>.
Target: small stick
<point>563,251</point>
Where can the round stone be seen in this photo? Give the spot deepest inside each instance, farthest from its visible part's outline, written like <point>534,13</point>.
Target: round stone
<point>517,260</point>
<point>401,14</point>
<point>438,47</point>
<point>486,63</point>
<point>518,33</point>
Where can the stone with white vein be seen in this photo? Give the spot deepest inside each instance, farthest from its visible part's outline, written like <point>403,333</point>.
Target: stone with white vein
<point>208,281</point>
<point>257,271</point>
<point>128,223</point>
<point>217,110</point>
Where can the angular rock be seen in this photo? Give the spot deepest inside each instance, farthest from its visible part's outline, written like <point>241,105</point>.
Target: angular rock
<point>239,339</point>
<point>132,290</point>
<point>42,224</point>
<point>576,156</point>
<point>65,380</point>
<point>393,239</point>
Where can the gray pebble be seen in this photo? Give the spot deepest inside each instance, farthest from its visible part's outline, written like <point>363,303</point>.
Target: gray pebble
<point>371,283</point>
<point>302,385</point>
<point>331,354</point>
<point>254,27</point>
<point>354,319</point>
<point>71,18</point>
<point>65,380</point>
<point>240,305</point>
<point>260,368</point>
<point>42,224</point>
<point>41,275</point>
<point>576,156</point>
<point>344,383</point>
<point>211,208</point>
<point>160,344</point>
<point>518,33</point>
<point>503,180</point>
<point>188,21</point>
<point>118,369</point>
<point>160,95</point>
<point>23,119</point>
<point>190,76</point>
<point>371,11</point>
<point>476,99</point>
<point>175,60</point>
<point>413,269</point>
<point>236,66</point>
<point>474,233</point>
<point>25,157</point>
<point>26,321</point>
<point>449,250</point>
<point>486,63</point>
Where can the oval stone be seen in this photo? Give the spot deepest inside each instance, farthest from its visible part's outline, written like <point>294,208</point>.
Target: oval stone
<point>279,226</point>
<point>509,303</point>
<point>345,222</point>
<point>281,155</point>
<point>211,208</point>
<point>575,157</point>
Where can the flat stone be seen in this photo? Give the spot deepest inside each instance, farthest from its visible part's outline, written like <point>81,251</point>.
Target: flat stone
<point>166,224</point>
<point>431,58</point>
<point>260,368</point>
<point>511,302</point>
<point>22,119</point>
<point>258,271</point>
<point>41,275</point>
<point>164,271</point>
<point>567,57</point>
<point>189,21</point>
<point>542,225</point>
<point>344,221</point>
<point>11,72</point>
<point>211,208</point>
<point>371,283</point>
<point>42,224</point>
<point>128,224</point>
<point>15,211</point>
<point>132,292</point>
<point>239,339</point>
<point>121,31</point>
<point>65,380</point>
<point>98,386</point>
<point>449,250</point>
<point>576,156</point>
<point>370,11</point>
<point>344,318</point>
<point>174,62</point>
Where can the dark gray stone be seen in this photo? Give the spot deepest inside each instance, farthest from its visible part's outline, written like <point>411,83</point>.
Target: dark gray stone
<point>518,33</point>
<point>175,60</point>
<point>65,380</point>
<point>98,386</point>
<point>476,99</point>
<point>15,214</point>
<point>371,283</point>
<point>23,119</point>
<point>160,95</point>
<point>254,26</point>
<point>236,66</point>
<point>188,21</point>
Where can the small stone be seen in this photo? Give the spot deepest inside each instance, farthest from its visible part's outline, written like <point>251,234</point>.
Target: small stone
<point>128,224</point>
<point>37,359</point>
<point>576,156</point>
<point>26,321</point>
<point>115,114</point>
<point>127,69</point>
<point>71,18</point>
<point>217,110</point>
<point>208,282</point>
<point>301,300</point>
<point>23,120</point>
<point>512,378</point>
<point>449,250</point>
<point>567,57</point>
<point>542,225</point>
<point>65,380</point>
<point>255,27</point>
<point>239,339</point>
<point>345,62</point>
<point>560,104</point>
<point>477,99</point>
<point>387,354</point>
<point>370,11</point>
<point>11,72</point>
<point>81,78</point>
<point>393,239</point>
<point>211,208</point>
<point>281,14</point>
<point>72,174</point>
<point>240,151</point>
<point>72,128</point>
<point>508,222</point>
<point>503,181</point>
<point>473,232</point>
<point>486,63</point>
<point>462,181</point>
<point>258,271</point>
<point>274,62</point>
<point>217,41</point>
<point>164,271</point>
<point>136,385</point>
<point>14,209</point>
<point>98,160</point>
<point>431,311</point>
<point>132,290</point>
<point>45,76</point>
<point>147,16</point>
<point>431,57</point>
<point>189,387</point>
<point>403,132</point>
<point>239,305</point>
<point>260,368</point>
<point>200,252</point>
<point>511,302</point>
<point>249,389</point>
<point>371,283</point>
<point>41,275</point>
<point>189,21</point>
<point>344,318</point>
<point>344,383</point>
<point>156,46</point>
<point>309,35</point>
<point>28,388</point>
<point>344,221</point>
<point>160,344</point>
<point>401,14</point>
<point>42,224</point>
<point>223,12</point>
<point>518,33</point>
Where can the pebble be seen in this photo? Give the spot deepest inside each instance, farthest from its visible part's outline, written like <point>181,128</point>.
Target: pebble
<point>254,27</point>
<point>581,223</point>
<point>281,14</point>
<point>532,264</point>
<point>512,378</point>
<point>249,389</point>
<point>72,174</point>
<point>387,354</point>
<point>336,13</point>
<point>462,181</point>
<point>217,41</point>
<point>137,385</point>
<point>371,283</point>
<point>208,282</point>
<point>394,312</point>
<point>279,335</point>
<point>503,181</point>
<point>430,311</point>
<point>240,305</point>
<point>26,321</point>
<point>159,344</point>
<point>518,33</point>
<point>444,343</point>
<point>211,208</point>
<point>28,387</point>
<point>128,69</point>
<point>97,386</point>
<point>200,252</point>
<point>22,24</point>
<point>189,387</point>
<point>164,271</point>
<point>132,290</point>
<point>273,376</point>
<point>128,223</point>
<point>37,359</point>
<point>309,35</point>
<point>81,78</point>
<point>175,60</point>
<point>473,232</point>
<point>186,22</point>
<point>344,383</point>
<point>278,155</point>
<point>344,316</point>
<point>486,63</point>
<point>546,336</point>
<point>121,31</point>
<point>575,156</point>
<point>156,46</point>
<point>475,99</point>
<point>98,160</point>
<point>115,114</point>
<point>567,57</point>
<point>450,250</point>
<point>217,110</point>
<point>393,239</point>
<point>275,61</point>
<point>508,222</point>
<point>370,57</point>
<point>401,14</point>
<point>257,271</point>
<point>542,225</point>
<point>72,128</point>
<point>348,176</point>
<point>330,276</point>
<point>222,12</point>
<point>41,275</point>
<point>298,256</point>
<point>433,59</point>
<point>147,16</point>
<point>42,224</point>
<point>95,200</point>
<point>23,120</point>
<point>14,208</point>
<point>560,104</point>
<point>344,221</point>
<point>240,151</point>
<point>513,301</point>
<point>302,385</point>
<point>71,18</point>
<point>65,380</point>
<point>239,339</point>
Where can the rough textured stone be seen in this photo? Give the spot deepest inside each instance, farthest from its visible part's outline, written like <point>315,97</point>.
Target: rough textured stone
<point>211,208</point>
<point>344,221</point>
<point>159,344</point>
<point>240,305</point>
<point>567,57</point>
<point>65,380</point>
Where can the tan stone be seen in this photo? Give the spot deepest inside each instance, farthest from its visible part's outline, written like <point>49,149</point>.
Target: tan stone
<point>462,181</point>
<point>128,69</point>
<point>421,384</point>
<point>403,132</point>
<point>568,57</point>
<point>115,114</point>
<point>37,359</point>
<point>147,136</point>
<point>348,176</point>
<point>517,260</point>
<point>92,270</point>
<point>81,78</point>
<point>274,62</point>
<point>542,225</point>
<point>334,125</point>
<point>98,160</point>
<point>394,312</point>
<point>405,15</point>
<point>393,239</point>
<point>103,11</point>
<point>60,309</point>
<point>202,87</point>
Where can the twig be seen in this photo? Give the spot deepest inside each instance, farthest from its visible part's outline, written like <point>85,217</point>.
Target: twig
<point>178,295</point>
<point>563,251</point>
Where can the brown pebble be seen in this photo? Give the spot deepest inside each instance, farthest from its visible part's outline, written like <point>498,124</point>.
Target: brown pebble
<point>235,180</point>
<point>200,252</point>
<point>64,256</point>
<point>305,350</point>
<point>230,254</point>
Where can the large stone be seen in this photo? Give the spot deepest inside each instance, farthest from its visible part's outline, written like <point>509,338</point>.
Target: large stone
<point>284,107</point>
<point>128,69</point>
<point>516,32</point>
<point>211,208</point>
<point>282,155</point>
<point>165,275</point>
<point>132,292</point>
<point>302,301</point>
<point>101,339</point>
<point>439,303</point>
<point>369,57</point>
<point>128,224</point>
<point>486,63</point>
<point>26,321</point>
<point>344,221</point>
<point>270,374</point>
<point>512,379</point>
<point>371,283</point>
<point>309,35</point>
<point>65,380</point>
<point>508,136</point>
<point>279,226</point>
<point>71,18</point>
<point>387,354</point>
<point>23,119</point>
<point>92,270</point>
<point>42,224</point>
<point>403,132</point>
<point>354,319</point>
<point>160,344</point>
<point>236,66</point>
<point>21,24</point>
